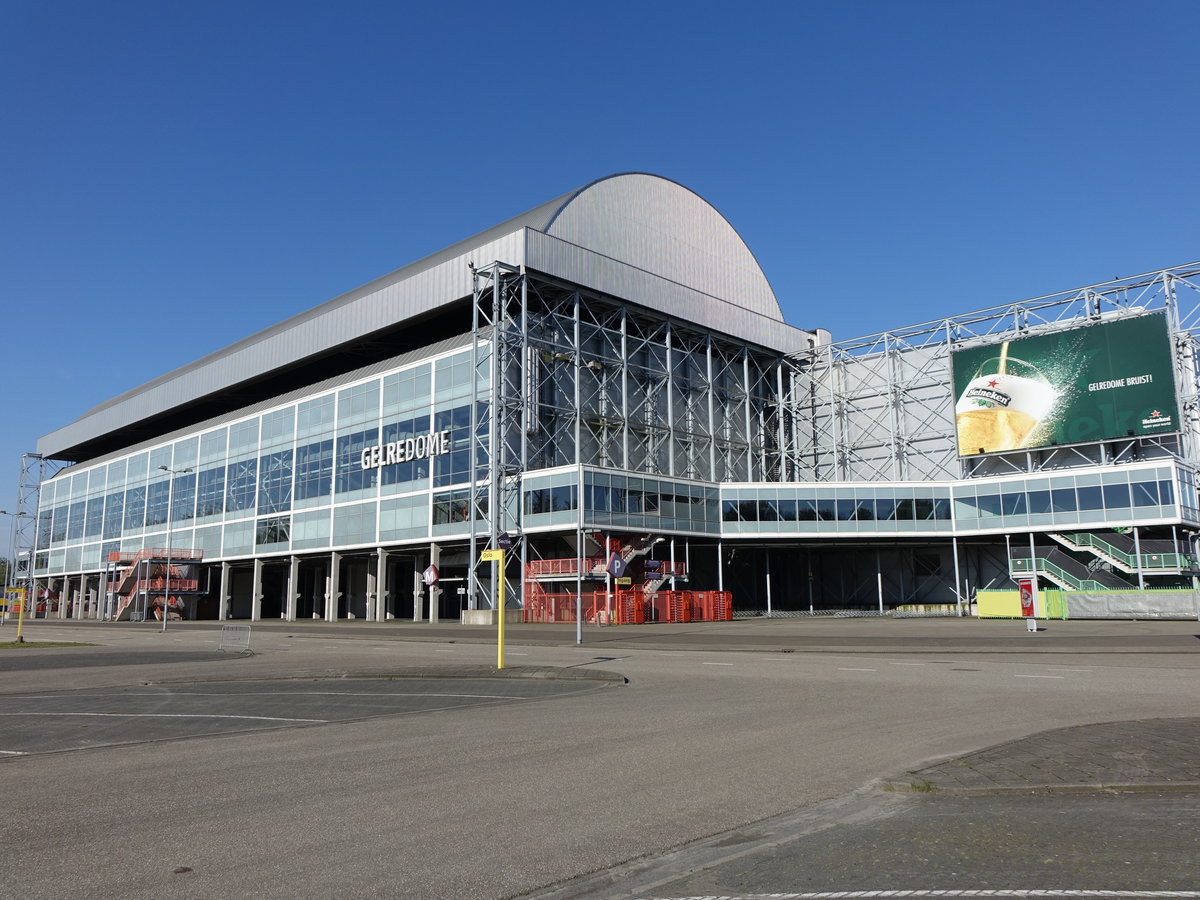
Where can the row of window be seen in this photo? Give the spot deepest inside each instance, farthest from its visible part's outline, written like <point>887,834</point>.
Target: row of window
<point>307,475</point>
<point>834,510</point>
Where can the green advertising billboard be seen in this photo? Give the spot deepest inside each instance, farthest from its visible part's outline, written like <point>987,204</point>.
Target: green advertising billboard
<point>1109,380</point>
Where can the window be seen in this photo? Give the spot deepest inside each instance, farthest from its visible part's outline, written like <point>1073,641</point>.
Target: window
<point>275,530</point>
<point>135,508</point>
<point>358,404</point>
<point>409,470</point>
<point>241,485</point>
<point>454,467</point>
<point>75,528</point>
<point>314,470</point>
<point>351,476</point>
<point>94,522</point>
<point>210,492</point>
<point>1116,496</point>
<point>114,514</point>
<point>157,497</point>
<point>275,482</point>
<point>354,524</point>
<point>183,504</point>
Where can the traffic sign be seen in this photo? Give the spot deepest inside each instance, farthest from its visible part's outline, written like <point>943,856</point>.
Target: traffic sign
<point>504,542</point>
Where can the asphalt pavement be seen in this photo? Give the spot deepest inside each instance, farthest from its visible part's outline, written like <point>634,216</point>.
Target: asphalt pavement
<point>1108,802</point>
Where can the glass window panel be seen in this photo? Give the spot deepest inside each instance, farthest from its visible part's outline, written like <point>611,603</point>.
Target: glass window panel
<point>94,517</point>
<point>213,445</point>
<point>315,417</point>
<point>412,470</point>
<point>1013,503</point>
<point>354,524</point>
<point>351,476</point>
<point>1166,493</point>
<point>1039,502</point>
<point>135,508</point>
<point>185,453</point>
<point>157,498</point>
<point>358,404</point>
<point>1116,496</point>
<point>278,426</point>
<point>1090,497</point>
<point>1145,493</point>
<point>989,505</point>
<point>314,470</point>
<point>183,501</point>
<point>275,482</point>
<point>273,531</point>
<point>241,485</point>
<point>210,492</point>
<point>137,468</point>
<point>243,437</point>
<point>1062,500</point>
<point>159,459</point>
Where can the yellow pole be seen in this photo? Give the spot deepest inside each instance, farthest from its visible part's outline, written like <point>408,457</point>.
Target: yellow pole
<point>500,610</point>
<point>20,620</point>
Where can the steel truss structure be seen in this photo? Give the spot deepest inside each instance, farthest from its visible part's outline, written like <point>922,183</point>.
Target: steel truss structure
<point>881,407</point>
<point>575,377</point>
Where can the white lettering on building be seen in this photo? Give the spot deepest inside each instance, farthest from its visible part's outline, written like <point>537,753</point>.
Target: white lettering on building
<point>425,446</point>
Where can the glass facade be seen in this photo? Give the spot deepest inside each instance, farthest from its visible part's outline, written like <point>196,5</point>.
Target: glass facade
<point>285,480</point>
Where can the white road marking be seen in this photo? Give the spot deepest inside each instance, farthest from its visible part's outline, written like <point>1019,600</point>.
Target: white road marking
<point>12,753</point>
<point>906,664</point>
<point>111,715</point>
<point>848,669</point>
<point>1040,676</point>
<point>717,664</point>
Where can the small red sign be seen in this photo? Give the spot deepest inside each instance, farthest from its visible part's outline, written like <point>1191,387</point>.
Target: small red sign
<point>1026,587</point>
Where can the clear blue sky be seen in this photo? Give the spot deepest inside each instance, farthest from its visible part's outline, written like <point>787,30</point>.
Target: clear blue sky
<point>180,175</point>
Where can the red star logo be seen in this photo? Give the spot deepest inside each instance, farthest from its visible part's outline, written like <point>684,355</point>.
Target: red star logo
<point>1156,414</point>
<point>993,383</point>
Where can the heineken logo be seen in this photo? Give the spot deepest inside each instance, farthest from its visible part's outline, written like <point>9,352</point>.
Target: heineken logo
<point>986,394</point>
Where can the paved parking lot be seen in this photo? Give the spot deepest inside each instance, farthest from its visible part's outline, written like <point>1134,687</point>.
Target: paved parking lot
<point>75,720</point>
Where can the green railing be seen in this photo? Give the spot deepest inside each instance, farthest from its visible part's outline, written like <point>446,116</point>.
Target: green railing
<point>1150,561</point>
<point>1033,566</point>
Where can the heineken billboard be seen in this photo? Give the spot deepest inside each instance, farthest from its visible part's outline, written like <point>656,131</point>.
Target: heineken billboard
<point>1108,380</point>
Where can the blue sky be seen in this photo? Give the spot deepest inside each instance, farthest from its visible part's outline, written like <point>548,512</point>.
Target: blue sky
<point>180,175</point>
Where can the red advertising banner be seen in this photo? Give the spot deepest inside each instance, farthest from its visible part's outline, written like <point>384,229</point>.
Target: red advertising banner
<point>1025,585</point>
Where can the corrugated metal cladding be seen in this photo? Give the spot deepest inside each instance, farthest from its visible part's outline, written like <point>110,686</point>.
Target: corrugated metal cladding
<point>610,276</point>
<point>660,226</point>
<point>636,236</point>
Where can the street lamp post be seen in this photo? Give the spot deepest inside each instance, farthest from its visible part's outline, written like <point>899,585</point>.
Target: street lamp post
<point>166,607</point>
<point>8,564</point>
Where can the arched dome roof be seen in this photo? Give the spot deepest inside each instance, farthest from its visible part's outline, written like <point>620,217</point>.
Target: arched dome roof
<point>661,226</point>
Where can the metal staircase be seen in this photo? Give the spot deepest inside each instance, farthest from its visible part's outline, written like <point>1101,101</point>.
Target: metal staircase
<point>1120,551</point>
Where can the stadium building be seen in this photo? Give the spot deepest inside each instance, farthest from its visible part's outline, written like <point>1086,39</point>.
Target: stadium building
<point>606,388</point>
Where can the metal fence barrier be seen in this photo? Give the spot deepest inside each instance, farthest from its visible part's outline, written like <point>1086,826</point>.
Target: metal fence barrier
<point>235,637</point>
